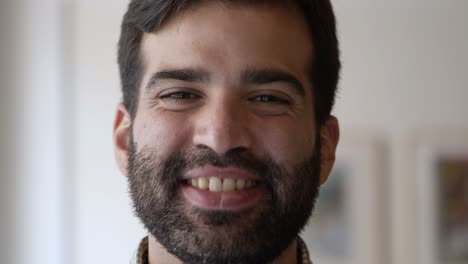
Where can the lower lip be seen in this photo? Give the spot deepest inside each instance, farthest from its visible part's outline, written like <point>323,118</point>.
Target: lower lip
<point>232,200</point>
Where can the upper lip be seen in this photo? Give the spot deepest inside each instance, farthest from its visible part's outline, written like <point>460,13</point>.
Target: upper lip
<point>229,172</point>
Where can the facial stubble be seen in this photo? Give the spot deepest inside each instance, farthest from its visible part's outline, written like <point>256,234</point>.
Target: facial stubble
<point>257,235</point>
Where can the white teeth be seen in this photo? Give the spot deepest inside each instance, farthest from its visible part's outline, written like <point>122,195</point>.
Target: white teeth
<point>229,185</point>
<point>240,184</point>
<point>194,182</point>
<point>215,184</point>
<point>203,183</point>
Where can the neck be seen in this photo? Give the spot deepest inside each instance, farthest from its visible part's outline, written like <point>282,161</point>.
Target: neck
<point>157,254</point>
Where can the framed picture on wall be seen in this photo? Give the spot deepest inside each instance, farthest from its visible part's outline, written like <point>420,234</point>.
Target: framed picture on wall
<point>348,225</point>
<point>442,200</point>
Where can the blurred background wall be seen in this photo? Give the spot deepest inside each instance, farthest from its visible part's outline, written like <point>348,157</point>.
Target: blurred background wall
<point>64,201</point>
<point>32,150</point>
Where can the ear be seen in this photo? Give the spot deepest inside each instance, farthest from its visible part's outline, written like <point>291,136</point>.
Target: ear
<point>122,126</point>
<point>329,135</point>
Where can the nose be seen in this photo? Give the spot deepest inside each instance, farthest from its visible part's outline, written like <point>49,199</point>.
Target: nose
<point>222,126</point>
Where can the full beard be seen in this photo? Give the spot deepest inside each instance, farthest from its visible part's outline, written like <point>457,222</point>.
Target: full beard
<point>258,234</point>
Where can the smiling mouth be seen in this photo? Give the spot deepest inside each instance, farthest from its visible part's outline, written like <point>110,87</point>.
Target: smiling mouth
<point>218,184</point>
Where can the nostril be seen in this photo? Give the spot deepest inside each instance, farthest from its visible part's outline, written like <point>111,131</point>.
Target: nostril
<point>238,149</point>
<point>201,146</point>
<point>221,136</point>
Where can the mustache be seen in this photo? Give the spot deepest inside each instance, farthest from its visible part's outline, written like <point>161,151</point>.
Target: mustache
<point>180,162</point>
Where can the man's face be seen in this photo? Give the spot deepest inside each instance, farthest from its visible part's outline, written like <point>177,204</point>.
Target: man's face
<point>223,155</point>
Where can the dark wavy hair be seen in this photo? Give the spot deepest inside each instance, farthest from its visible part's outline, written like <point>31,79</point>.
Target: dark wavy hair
<point>145,16</point>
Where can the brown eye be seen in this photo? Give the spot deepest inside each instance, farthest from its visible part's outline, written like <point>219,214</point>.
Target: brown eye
<point>180,100</point>
<point>269,99</point>
<point>180,96</point>
<point>269,104</point>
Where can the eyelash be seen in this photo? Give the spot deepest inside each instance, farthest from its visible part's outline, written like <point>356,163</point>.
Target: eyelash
<point>178,96</point>
<point>266,98</point>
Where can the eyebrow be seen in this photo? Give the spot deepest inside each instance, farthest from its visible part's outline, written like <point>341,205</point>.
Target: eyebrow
<point>266,76</point>
<point>249,76</point>
<point>185,75</point>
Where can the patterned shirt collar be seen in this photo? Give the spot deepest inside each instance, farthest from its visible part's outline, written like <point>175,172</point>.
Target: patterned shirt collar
<point>141,255</point>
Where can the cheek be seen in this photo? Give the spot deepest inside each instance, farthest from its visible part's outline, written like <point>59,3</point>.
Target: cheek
<point>289,144</point>
<point>162,133</point>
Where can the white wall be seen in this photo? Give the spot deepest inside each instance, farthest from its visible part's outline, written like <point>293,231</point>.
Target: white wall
<point>105,229</point>
<point>405,69</point>
<point>31,152</point>
<point>5,136</point>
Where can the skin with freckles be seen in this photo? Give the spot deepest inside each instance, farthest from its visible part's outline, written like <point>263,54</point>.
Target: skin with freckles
<point>226,88</point>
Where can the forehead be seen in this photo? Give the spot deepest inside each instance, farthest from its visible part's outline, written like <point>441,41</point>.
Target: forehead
<point>226,39</point>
